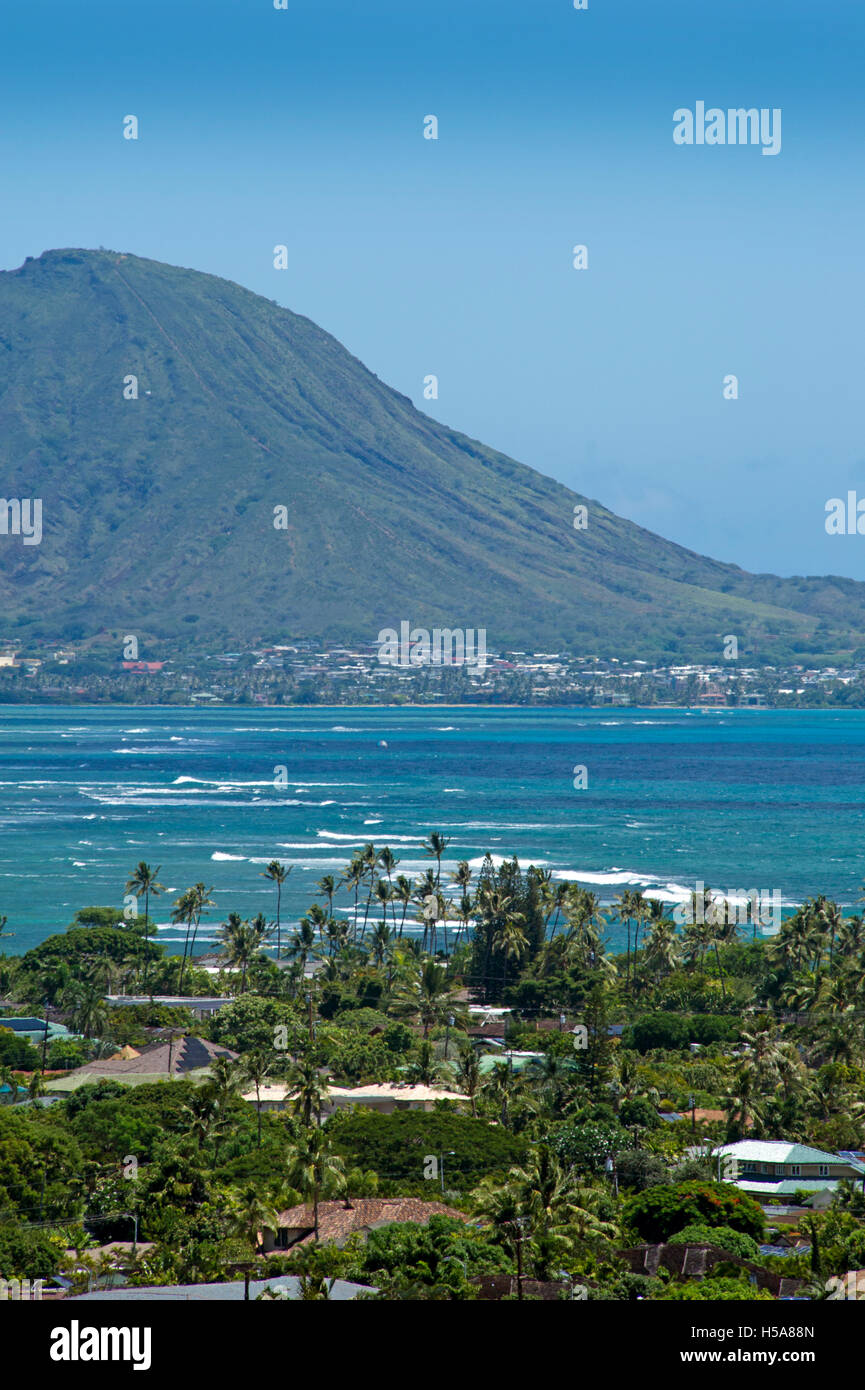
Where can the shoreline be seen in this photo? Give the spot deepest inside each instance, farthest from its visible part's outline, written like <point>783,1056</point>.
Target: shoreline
<point>480,705</point>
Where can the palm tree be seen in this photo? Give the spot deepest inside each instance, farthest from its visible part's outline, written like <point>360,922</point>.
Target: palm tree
<point>833,921</point>
<point>402,893</point>
<point>277,873</point>
<point>184,912</point>
<point>428,995</point>
<point>304,1079</point>
<point>511,942</point>
<point>384,892</point>
<point>697,938</point>
<point>188,908</point>
<point>624,906</point>
<point>303,942</point>
<point>425,896</point>
<point>319,919</point>
<point>498,1086</point>
<point>257,1066</point>
<point>143,881</point>
<point>327,887</point>
<point>243,942</point>
<point>462,877</point>
<point>469,1074</point>
<point>353,876</point>
<point>465,909</point>
<point>389,861</point>
<point>641,911</point>
<point>314,1169</point>
<point>87,1010</point>
<point>381,942</point>
<point>661,948</point>
<point>369,858</point>
<point>560,895</point>
<point>249,1216</point>
<point>435,845</point>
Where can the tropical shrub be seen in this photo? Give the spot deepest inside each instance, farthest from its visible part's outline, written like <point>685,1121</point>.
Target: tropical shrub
<point>660,1211</point>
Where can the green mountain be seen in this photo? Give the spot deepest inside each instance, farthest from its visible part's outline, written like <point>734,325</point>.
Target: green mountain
<point>158,512</point>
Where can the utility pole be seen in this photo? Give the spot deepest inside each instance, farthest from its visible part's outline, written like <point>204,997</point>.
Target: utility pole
<point>450,1153</point>
<point>519,1223</point>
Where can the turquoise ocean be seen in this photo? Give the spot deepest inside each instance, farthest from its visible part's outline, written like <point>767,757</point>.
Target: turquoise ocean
<point>771,800</point>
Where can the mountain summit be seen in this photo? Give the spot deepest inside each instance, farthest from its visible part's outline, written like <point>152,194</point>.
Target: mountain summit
<point>158,509</point>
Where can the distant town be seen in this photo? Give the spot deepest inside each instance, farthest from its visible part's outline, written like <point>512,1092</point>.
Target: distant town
<point>308,672</point>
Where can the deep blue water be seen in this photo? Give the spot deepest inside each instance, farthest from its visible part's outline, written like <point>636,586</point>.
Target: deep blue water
<point>737,799</point>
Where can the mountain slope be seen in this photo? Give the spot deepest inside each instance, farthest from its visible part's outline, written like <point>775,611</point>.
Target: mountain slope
<point>158,512</point>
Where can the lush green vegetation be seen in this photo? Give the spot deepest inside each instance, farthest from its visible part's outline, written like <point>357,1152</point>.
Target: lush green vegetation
<point>552,1171</point>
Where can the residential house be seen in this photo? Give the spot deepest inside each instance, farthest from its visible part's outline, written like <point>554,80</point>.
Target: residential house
<point>337,1221</point>
<point>770,1169</point>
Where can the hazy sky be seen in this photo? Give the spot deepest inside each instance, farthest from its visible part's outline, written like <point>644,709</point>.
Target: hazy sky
<point>453,257</point>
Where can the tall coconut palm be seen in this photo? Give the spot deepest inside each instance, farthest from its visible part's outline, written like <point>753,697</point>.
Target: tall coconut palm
<point>383,893</point>
<point>352,877</point>
<point>402,893</point>
<point>257,1066</point>
<point>661,948</point>
<point>188,908</point>
<point>88,1013</point>
<point>560,897</point>
<point>832,919</point>
<point>435,846</point>
<point>314,1169</point>
<point>277,873</point>
<point>305,1082</point>
<point>369,857</point>
<point>464,911</point>
<point>427,995</point>
<point>641,913</point>
<point>381,942</point>
<point>243,943</point>
<point>511,942</point>
<point>462,877</point>
<point>388,861</point>
<point>143,882</point>
<point>498,1088</point>
<point>303,942</point>
<point>624,906</point>
<point>327,887</point>
<point>469,1074</point>
<point>249,1216</point>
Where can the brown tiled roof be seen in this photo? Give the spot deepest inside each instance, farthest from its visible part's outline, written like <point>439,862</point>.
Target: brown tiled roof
<point>696,1259</point>
<point>187,1054</point>
<point>336,1222</point>
<point>493,1028</point>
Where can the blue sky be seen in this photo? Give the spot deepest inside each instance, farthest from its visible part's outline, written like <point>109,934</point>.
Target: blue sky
<point>304,127</point>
